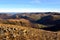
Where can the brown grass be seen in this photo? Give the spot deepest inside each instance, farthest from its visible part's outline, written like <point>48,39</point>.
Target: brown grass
<point>14,32</point>
<point>14,29</point>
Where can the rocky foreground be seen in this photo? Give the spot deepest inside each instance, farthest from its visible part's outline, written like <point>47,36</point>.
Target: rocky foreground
<point>14,32</point>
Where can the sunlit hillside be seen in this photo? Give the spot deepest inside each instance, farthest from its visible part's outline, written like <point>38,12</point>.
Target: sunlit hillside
<point>14,32</point>
<point>30,26</point>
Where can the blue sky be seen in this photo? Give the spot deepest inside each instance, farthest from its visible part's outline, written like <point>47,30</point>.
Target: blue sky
<point>29,5</point>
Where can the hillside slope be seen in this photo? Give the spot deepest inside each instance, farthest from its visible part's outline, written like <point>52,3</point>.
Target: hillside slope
<point>14,32</point>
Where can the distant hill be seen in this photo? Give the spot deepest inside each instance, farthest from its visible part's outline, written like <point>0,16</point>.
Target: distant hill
<point>34,16</point>
<point>37,20</point>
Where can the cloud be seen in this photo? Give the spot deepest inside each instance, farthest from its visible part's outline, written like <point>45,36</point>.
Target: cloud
<point>29,10</point>
<point>35,1</point>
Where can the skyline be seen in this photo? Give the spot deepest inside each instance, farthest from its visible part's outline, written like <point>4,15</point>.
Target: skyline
<point>29,5</point>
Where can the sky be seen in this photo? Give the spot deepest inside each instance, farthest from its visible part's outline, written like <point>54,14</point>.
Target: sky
<point>29,5</point>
